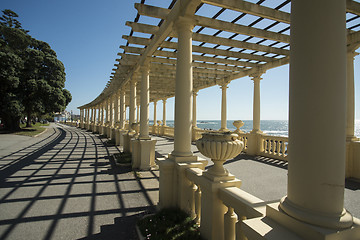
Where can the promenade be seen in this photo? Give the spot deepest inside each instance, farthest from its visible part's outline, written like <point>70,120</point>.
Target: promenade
<point>64,184</point>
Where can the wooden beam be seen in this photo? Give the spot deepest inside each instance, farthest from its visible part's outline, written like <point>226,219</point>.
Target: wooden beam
<point>353,7</point>
<point>251,8</point>
<point>226,42</point>
<point>161,13</point>
<point>208,50</point>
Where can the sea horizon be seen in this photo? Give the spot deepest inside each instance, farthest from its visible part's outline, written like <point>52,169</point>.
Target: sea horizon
<point>270,127</point>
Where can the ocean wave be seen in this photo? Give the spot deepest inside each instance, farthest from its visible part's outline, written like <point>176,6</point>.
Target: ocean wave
<point>203,122</point>
<point>281,133</point>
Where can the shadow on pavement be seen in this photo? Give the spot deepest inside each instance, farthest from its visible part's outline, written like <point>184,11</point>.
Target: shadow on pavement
<point>70,188</point>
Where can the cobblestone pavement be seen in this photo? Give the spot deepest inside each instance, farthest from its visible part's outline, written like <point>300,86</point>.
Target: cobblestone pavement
<point>65,185</point>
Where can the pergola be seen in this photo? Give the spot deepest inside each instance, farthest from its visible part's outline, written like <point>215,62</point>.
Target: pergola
<point>186,45</point>
<point>231,39</point>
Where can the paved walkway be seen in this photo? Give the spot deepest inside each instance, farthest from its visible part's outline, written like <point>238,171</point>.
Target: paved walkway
<point>266,178</point>
<point>63,184</point>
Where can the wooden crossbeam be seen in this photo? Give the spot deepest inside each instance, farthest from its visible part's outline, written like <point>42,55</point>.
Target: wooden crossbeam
<point>251,8</point>
<point>223,41</point>
<point>207,50</point>
<point>161,13</point>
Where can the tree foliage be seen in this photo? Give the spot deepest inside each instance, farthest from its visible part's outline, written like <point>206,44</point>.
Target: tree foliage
<point>32,79</point>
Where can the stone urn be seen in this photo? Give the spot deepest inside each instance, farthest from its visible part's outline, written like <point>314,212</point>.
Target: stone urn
<point>219,146</point>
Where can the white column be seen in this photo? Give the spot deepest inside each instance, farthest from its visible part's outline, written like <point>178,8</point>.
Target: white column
<point>81,115</point>
<point>350,101</point>
<point>183,89</point>
<point>94,112</point>
<point>132,108</point>
<point>317,115</point>
<point>144,99</point>
<point>155,105</point>
<point>122,109</point>
<point>102,113</point>
<point>164,112</point>
<point>116,109</point>
<point>223,108</point>
<point>194,109</point>
<point>256,103</point>
<point>87,115</point>
<point>99,114</point>
<point>138,113</point>
<point>111,101</point>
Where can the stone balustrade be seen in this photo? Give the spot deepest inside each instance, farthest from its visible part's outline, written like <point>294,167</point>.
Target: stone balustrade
<point>244,138</point>
<point>274,147</point>
<point>238,205</point>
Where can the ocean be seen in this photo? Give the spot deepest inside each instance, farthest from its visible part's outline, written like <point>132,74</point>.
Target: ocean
<point>270,127</point>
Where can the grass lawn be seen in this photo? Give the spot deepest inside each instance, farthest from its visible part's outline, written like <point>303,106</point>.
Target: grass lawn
<point>31,131</point>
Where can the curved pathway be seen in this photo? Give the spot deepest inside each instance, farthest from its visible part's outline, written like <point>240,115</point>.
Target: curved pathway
<point>64,185</point>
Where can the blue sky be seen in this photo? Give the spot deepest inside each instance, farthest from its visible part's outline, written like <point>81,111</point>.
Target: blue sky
<point>86,36</point>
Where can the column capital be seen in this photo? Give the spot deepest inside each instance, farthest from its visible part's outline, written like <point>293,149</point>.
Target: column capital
<point>184,23</point>
<point>145,67</point>
<point>195,93</point>
<point>352,53</point>
<point>164,100</point>
<point>133,80</point>
<point>256,76</point>
<point>223,85</point>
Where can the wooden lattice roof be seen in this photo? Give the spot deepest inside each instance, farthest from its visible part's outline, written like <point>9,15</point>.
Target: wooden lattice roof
<point>231,39</point>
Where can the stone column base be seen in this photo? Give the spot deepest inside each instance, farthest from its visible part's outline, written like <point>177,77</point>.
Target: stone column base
<point>353,159</point>
<point>108,132</point>
<point>117,137</point>
<point>127,142</point>
<point>96,128</point>
<point>279,225</point>
<point>174,188</point>
<point>102,130</point>
<point>112,134</point>
<point>254,143</point>
<point>143,154</point>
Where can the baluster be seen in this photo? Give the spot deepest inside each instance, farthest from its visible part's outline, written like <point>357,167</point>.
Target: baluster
<point>198,205</point>
<point>265,145</point>
<point>193,201</point>
<point>273,147</point>
<point>230,219</point>
<point>239,233</point>
<point>278,147</point>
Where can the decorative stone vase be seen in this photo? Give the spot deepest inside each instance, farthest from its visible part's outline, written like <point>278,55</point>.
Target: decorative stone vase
<point>219,146</point>
<point>238,124</point>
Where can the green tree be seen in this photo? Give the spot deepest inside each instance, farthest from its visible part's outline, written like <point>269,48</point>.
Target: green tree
<point>32,79</point>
